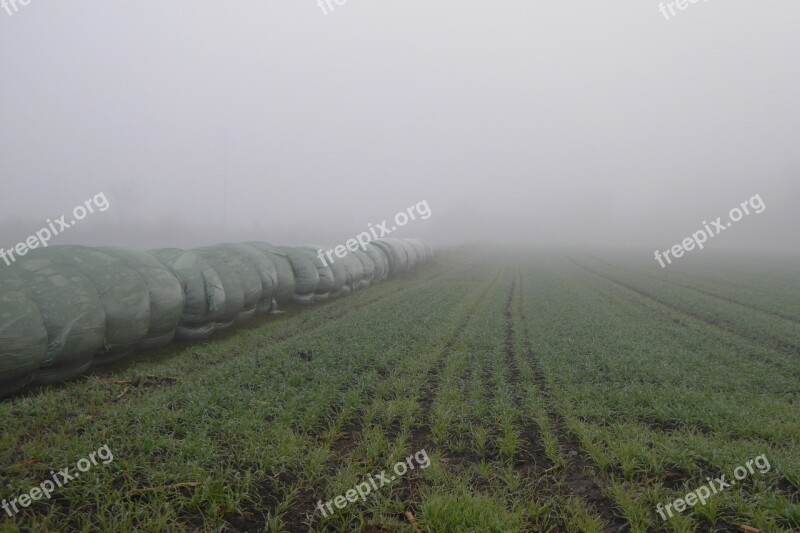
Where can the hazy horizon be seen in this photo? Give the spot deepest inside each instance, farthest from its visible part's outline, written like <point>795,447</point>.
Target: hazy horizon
<point>550,124</point>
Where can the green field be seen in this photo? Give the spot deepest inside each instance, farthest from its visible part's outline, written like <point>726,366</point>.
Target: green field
<point>551,391</point>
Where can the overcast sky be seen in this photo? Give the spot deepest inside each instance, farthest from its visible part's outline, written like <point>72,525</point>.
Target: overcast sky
<point>549,122</point>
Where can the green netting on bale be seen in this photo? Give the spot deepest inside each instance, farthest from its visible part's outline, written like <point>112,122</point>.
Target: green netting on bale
<point>339,279</point>
<point>244,275</point>
<point>338,273</point>
<point>71,312</point>
<point>64,308</point>
<point>266,273</point>
<point>327,283</point>
<point>23,336</point>
<point>123,293</point>
<point>381,262</point>
<point>310,287</point>
<point>204,296</point>
<point>165,293</point>
<point>355,272</point>
<point>367,266</point>
<point>395,253</point>
<point>286,276</point>
<point>423,252</point>
<point>411,253</point>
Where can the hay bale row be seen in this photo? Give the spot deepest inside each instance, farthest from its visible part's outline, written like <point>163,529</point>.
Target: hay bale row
<point>66,309</point>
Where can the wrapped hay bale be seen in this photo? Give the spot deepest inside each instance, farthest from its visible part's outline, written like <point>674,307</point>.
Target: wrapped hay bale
<point>165,293</point>
<point>411,253</point>
<point>309,287</point>
<point>286,280</point>
<point>367,266</point>
<point>247,275</point>
<point>328,284</point>
<point>240,281</point>
<point>23,336</point>
<point>396,255</point>
<point>71,312</point>
<point>423,252</point>
<point>339,279</point>
<point>380,262</point>
<point>123,293</point>
<point>266,271</point>
<point>338,272</point>
<point>204,295</point>
<point>355,272</point>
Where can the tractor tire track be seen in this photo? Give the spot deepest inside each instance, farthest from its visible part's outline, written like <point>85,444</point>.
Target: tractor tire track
<point>700,291</point>
<point>579,482</point>
<point>420,438</point>
<point>531,461</point>
<point>779,347</point>
<point>303,512</point>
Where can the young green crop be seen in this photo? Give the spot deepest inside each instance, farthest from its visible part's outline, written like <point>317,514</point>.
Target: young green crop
<point>551,393</point>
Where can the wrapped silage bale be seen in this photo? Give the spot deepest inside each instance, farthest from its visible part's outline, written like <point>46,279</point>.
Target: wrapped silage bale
<point>411,253</point>
<point>337,270</point>
<point>165,292</point>
<point>380,261</point>
<point>71,312</point>
<point>308,288</point>
<point>266,270</point>
<point>355,272</point>
<point>396,254</point>
<point>423,252</point>
<point>339,279</point>
<point>204,295</point>
<point>123,293</point>
<point>240,281</point>
<point>286,276</point>
<point>23,336</point>
<point>428,250</point>
<point>367,267</point>
<point>328,284</point>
